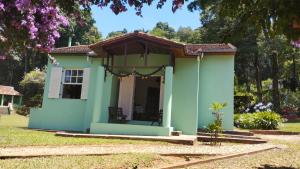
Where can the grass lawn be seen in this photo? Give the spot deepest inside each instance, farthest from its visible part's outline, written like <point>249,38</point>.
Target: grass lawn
<point>14,132</point>
<point>109,162</point>
<point>291,126</point>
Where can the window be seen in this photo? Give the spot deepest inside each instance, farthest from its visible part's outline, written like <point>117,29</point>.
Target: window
<point>72,83</point>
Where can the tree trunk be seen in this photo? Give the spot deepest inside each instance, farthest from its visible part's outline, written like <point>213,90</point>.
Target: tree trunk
<point>258,78</point>
<point>274,60</point>
<point>248,87</point>
<point>275,88</point>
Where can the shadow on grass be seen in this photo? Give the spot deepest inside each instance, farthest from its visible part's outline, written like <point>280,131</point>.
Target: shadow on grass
<point>267,166</point>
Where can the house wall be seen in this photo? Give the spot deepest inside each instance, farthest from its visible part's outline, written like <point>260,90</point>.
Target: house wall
<point>216,85</point>
<point>213,81</point>
<point>184,107</point>
<point>61,114</point>
<point>76,114</point>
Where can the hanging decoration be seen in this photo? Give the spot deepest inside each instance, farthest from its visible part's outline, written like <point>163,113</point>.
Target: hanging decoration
<point>135,73</point>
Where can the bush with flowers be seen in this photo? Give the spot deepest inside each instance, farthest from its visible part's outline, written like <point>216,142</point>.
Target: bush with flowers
<point>266,120</point>
<point>258,116</point>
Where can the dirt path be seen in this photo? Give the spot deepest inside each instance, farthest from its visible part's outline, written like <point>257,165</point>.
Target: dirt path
<point>116,149</point>
<point>288,138</point>
<point>288,157</point>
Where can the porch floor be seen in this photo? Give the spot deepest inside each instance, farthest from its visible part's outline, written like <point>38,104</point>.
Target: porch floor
<point>182,139</point>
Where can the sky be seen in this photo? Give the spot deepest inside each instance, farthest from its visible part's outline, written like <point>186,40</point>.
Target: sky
<point>107,21</point>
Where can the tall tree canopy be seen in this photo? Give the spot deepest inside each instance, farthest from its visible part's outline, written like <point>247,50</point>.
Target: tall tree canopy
<point>35,24</point>
<point>83,33</point>
<point>270,17</point>
<point>163,29</point>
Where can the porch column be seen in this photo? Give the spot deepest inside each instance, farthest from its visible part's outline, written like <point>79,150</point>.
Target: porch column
<point>97,106</point>
<point>20,100</point>
<point>167,105</point>
<point>12,100</point>
<point>2,99</point>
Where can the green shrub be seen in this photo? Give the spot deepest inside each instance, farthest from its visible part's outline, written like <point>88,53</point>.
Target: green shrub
<point>22,110</point>
<point>259,120</point>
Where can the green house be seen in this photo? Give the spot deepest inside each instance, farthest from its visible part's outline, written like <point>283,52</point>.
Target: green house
<point>136,84</point>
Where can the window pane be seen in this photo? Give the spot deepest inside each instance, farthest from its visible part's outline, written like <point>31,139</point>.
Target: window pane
<point>73,80</point>
<point>80,72</point>
<point>68,73</point>
<point>74,72</point>
<point>67,79</point>
<point>71,91</point>
<point>79,79</point>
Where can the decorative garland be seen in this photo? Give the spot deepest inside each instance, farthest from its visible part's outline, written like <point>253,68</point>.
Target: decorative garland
<point>134,72</point>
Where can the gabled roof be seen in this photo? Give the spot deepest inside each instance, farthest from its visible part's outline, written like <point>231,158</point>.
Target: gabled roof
<point>9,90</point>
<point>187,49</point>
<point>80,49</point>
<point>140,35</point>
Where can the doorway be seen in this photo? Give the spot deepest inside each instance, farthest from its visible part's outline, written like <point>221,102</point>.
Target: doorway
<point>146,98</point>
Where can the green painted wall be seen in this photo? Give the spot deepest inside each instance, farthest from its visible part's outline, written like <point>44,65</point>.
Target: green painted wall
<point>216,84</point>
<point>184,110</point>
<point>215,77</point>
<point>61,114</point>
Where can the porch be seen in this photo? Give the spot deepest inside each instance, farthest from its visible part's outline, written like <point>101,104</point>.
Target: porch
<point>134,121</point>
<point>142,99</point>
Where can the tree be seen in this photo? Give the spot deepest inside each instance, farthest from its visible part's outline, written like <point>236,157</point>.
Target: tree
<point>79,33</point>
<point>163,29</point>
<point>185,34</point>
<point>34,24</point>
<point>117,33</point>
<point>267,16</point>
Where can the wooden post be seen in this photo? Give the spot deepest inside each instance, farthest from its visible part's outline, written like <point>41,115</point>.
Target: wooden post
<point>112,62</point>
<point>107,60</point>
<point>125,55</point>
<point>20,100</point>
<point>146,55</point>
<point>12,100</point>
<point>2,99</point>
<point>170,57</point>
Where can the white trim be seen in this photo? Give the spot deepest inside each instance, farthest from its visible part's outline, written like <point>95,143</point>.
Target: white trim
<point>55,82</point>
<point>70,83</point>
<point>85,83</point>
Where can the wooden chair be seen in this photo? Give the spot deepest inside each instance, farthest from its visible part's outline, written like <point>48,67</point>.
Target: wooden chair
<point>116,114</point>
<point>157,118</point>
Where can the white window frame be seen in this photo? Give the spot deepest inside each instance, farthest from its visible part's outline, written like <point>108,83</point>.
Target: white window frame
<point>71,83</point>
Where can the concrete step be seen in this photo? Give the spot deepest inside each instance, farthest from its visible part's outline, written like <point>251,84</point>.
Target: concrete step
<point>176,133</point>
<point>233,132</point>
<point>183,139</point>
<point>228,135</point>
<point>231,140</point>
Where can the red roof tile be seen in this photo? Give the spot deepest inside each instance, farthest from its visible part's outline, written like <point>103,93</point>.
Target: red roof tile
<point>189,49</point>
<point>8,90</point>
<point>195,49</point>
<point>80,49</point>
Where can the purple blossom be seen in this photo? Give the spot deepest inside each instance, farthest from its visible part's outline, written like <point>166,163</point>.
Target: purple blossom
<point>23,4</point>
<point>1,6</point>
<point>40,20</point>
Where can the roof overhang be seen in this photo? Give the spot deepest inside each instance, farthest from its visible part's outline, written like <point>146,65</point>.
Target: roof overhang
<point>136,42</point>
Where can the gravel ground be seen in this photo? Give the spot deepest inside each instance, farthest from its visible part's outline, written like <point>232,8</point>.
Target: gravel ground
<point>288,157</point>
<point>115,149</point>
<point>288,138</point>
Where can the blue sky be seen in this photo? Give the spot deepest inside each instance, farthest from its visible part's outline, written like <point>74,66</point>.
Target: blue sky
<point>107,21</point>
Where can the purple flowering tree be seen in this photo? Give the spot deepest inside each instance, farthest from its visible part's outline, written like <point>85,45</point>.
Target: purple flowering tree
<point>34,23</point>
